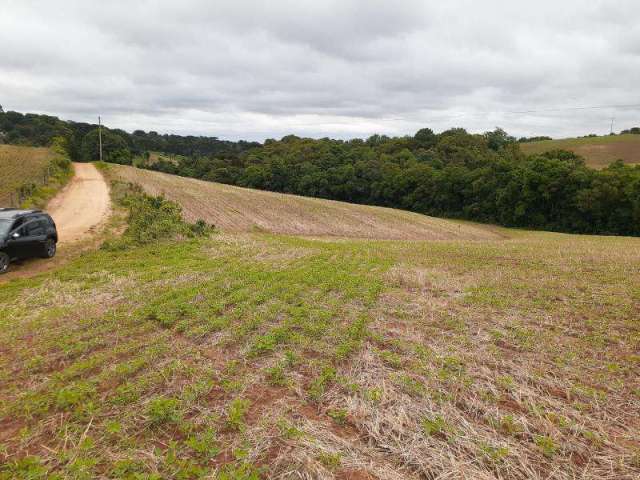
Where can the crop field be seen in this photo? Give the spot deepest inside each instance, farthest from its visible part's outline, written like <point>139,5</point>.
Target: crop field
<point>598,152</point>
<point>20,165</point>
<point>245,355</point>
<point>235,209</point>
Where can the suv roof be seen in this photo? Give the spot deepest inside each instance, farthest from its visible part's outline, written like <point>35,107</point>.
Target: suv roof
<point>16,212</point>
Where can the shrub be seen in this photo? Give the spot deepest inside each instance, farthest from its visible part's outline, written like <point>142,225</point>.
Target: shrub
<point>152,219</point>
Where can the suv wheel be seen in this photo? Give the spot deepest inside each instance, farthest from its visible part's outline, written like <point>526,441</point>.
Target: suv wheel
<point>49,248</point>
<point>4,262</point>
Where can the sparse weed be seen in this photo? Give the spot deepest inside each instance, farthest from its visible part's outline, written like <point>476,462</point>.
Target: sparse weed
<point>373,394</point>
<point>546,444</point>
<point>411,385</point>
<point>244,471</point>
<point>204,444</point>
<point>339,416</point>
<point>288,430</point>
<point>236,414</point>
<point>330,460</point>
<point>27,468</point>
<point>492,453</point>
<point>435,426</point>
<point>391,358</point>
<point>74,395</point>
<point>321,382</point>
<point>506,382</point>
<point>510,426</point>
<point>164,410</point>
<point>276,376</point>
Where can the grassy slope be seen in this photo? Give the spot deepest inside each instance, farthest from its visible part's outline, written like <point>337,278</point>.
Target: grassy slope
<point>20,165</point>
<point>341,358</point>
<point>516,359</point>
<point>240,210</point>
<point>598,151</point>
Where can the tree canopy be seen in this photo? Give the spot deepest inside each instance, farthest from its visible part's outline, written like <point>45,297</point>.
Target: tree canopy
<point>453,174</point>
<point>114,148</point>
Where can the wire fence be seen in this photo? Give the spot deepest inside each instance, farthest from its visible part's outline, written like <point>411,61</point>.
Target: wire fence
<point>16,197</point>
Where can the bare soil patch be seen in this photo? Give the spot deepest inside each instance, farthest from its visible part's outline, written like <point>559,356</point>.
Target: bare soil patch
<point>83,206</point>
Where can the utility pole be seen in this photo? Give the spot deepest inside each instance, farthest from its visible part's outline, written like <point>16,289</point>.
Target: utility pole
<point>611,131</point>
<point>100,136</point>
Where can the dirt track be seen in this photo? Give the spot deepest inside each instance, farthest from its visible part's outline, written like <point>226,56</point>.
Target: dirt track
<point>82,206</point>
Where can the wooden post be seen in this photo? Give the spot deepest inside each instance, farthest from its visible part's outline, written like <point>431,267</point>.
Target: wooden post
<point>100,136</point>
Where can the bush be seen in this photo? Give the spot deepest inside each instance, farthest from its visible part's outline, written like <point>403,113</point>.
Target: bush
<point>152,219</point>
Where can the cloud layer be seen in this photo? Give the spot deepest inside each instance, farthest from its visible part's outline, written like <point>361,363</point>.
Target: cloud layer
<point>260,69</point>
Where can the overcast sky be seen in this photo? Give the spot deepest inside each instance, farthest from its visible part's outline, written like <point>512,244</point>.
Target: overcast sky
<point>345,68</point>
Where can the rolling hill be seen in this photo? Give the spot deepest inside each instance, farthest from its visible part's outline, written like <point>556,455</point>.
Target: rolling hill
<point>597,151</point>
<point>236,209</point>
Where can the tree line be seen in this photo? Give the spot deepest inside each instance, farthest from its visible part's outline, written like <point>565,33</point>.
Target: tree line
<point>455,174</point>
<point>81,139</point>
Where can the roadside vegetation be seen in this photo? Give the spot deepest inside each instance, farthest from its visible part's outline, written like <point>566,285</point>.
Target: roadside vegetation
<point>149,219</point>
<point>181,352</point>
<point>30,176</point>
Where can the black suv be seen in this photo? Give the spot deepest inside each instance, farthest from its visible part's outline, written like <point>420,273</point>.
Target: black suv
<point>25,234</point>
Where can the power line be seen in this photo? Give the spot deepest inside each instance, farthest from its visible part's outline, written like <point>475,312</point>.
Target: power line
<point>451,116</point>
<point>562,109</point>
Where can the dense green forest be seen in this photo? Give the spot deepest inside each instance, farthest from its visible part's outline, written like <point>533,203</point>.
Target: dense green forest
<point>452,174</point>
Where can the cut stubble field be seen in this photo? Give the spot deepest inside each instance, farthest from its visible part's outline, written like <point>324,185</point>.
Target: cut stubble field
<point>254,354</point>
<point>20,165</point>
<point>598,152</point>
<point>235,209</point>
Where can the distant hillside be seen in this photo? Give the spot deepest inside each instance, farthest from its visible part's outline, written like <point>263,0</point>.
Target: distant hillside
<point>241,209</point>
<point>597,151</point>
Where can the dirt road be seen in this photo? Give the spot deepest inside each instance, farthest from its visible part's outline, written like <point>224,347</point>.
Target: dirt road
<point>82,206</point>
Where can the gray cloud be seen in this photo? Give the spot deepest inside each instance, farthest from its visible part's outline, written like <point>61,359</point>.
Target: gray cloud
<point>258,69</point>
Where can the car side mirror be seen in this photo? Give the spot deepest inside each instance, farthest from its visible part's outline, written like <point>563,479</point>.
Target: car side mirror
<point>15,235</point>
